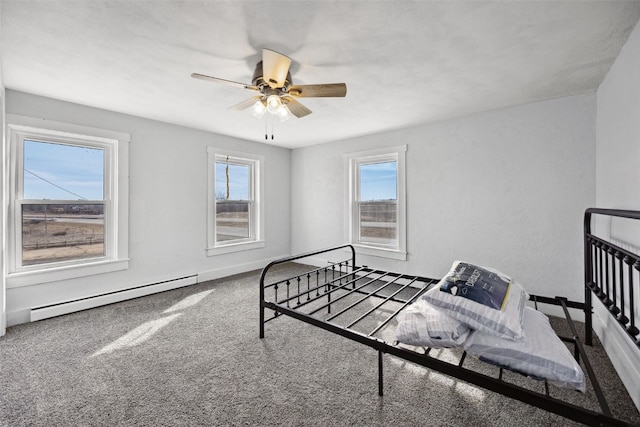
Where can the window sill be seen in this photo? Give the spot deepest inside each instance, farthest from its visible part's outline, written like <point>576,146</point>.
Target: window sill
<point>235,247</point>
<point>55,274</point>
<point>380,252</point>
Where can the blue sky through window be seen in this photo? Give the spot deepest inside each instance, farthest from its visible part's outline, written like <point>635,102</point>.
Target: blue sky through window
<point>62,172</point>
<point>378,181</point>
<point>238,181</point>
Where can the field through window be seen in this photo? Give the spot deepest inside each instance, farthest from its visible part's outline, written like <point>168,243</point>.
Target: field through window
<point>378,222</point>
<point>54,233</point>
<point>232,220</point>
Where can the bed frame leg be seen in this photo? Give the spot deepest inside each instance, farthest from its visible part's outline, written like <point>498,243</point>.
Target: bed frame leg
<point>380,380</point>
<point>261,320</point>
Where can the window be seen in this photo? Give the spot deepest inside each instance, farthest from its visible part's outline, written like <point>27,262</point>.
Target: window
<point>376,217</point>
<point>235,212</point>
<point>58,222</point>
<point>68,201</point>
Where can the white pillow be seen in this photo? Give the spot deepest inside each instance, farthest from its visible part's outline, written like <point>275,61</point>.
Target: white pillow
<point>482,298</point>
<point>421,324</point>
<point>539,355</point>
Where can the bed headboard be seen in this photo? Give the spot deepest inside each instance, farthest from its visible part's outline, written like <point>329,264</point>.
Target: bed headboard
<point>612,267</point>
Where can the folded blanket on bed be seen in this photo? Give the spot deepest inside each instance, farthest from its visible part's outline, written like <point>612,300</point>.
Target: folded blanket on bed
<point>423,325</point>
<point>540,354</point>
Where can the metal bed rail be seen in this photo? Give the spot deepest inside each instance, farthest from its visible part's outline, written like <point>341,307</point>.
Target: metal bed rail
<point>612,274</point>
<point>351,286</point>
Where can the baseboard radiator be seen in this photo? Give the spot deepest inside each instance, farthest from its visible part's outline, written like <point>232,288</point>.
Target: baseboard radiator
<point>66,307</point>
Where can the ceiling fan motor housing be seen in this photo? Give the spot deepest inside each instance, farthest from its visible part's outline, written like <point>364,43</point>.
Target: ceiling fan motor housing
<point>259,81</point>
<point>272,79</point>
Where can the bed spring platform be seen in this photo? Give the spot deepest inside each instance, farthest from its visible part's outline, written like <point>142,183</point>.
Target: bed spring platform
<point>359,303</point>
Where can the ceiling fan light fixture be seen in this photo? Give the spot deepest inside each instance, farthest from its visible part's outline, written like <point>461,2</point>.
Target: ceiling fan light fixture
<point>276,92</point>
<point>283,113</point>
<point>273,104</point>
<point>258,109</point>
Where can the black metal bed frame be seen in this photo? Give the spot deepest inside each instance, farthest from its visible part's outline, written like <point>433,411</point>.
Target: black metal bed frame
<point>306,295</point>
<point>613,286</point>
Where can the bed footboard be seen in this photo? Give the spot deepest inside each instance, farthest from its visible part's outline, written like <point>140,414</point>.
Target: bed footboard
<point>333,269</point>
<point>611,274</point>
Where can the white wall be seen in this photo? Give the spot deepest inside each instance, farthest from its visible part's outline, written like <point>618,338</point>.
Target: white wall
<point>3,306</point>
<point>168,204</point>
<point>3,317</point>
<point>618,181</point>
<point>618,130</point>
<point>506,188</point>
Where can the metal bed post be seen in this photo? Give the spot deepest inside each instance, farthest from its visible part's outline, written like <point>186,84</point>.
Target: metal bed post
<point>262,303</point>
<point>588,278</point>
<point>632,329</point>
<point>328,288</point>
<point>380,373</point>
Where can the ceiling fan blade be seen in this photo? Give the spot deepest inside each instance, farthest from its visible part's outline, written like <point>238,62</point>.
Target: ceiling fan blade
<point>227,82</point>
<point>320,90</point>
<point>275,67</point>
<point>296,108</point>
<point>246,103</point>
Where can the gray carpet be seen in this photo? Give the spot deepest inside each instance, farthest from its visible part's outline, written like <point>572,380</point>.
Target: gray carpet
<point>192,356</point>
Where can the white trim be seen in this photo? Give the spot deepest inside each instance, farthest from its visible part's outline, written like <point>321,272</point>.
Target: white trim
<point>17,317</point>
<point>623,353</point>
<point>58,273</point>
<point>3,217</point>
<point>66,307</point>
<point>115,199</point>
<point>236,269</point>
<point>24,315</point>
<point>235,247</point>
<point>380,252</point>
<point>352,160</point>
<point>377,151</point>
<point>65,129</point>
<point>256,241</point>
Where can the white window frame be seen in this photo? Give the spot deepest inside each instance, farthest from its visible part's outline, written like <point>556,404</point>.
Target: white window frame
<point>116,199</point>
<point>352,162</point>
<point>3,215</point>
<point>256,206</point>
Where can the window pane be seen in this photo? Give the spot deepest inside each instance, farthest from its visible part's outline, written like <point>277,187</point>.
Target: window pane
<point>378,223</point>
<point>377,209</point>
<point>53,233</point>
<point>232,181</point>
<point>232,220</point>
<point>378,181</point>
<point>62,172</point>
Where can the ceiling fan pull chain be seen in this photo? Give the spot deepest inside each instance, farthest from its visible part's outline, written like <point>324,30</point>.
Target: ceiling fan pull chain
<point>266,137</point>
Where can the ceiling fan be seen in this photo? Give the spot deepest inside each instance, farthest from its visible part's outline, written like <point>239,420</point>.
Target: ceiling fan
<point>272,79</point>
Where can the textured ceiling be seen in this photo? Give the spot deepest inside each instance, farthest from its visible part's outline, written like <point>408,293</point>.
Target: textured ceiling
<point>404,62</point>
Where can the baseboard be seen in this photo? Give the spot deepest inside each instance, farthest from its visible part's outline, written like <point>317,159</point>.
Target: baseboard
<point>324,262</point>
<point>66,307</point>
<point>17,317</point>
<point>623,353</point>
<point>236,269</point>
